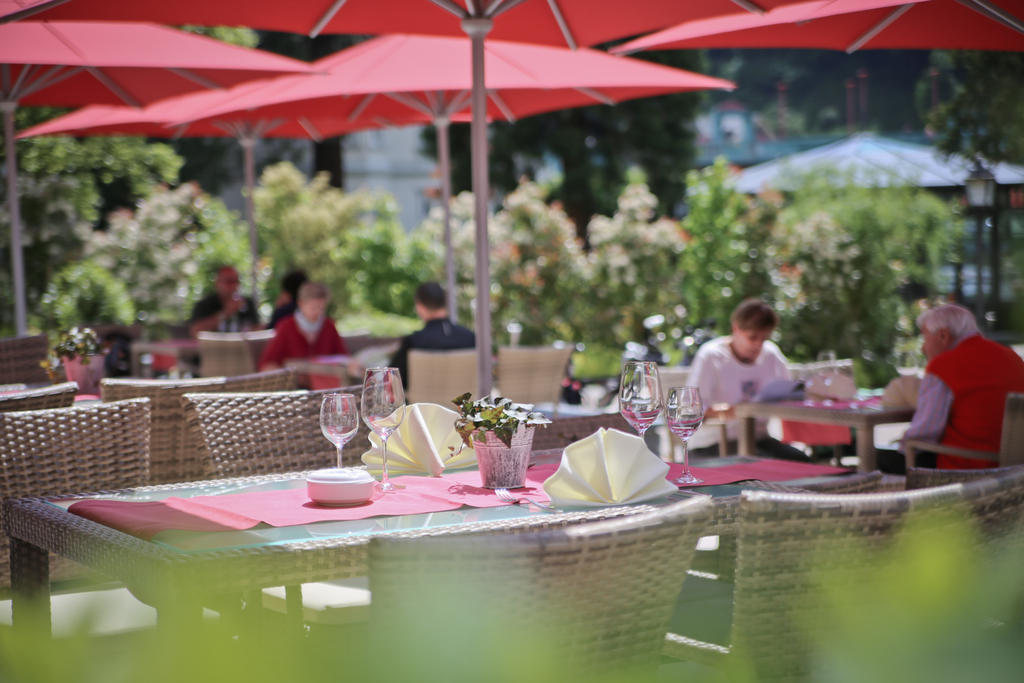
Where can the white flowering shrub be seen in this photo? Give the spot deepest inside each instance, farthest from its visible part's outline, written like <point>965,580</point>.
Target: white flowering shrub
<point>165,251</point>
<point>351,241</point>
<point>635,268</point>
<point>844,255</point>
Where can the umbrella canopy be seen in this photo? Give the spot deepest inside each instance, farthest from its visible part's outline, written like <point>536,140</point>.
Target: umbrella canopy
<point>74,63</point>
<point>401,79</point>
<point>874,160</point>
<point>851,25</point>
<point>571,23</point>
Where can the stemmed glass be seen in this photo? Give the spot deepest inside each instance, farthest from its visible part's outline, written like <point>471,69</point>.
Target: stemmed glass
<point>640,398</point>
<point>383,410</point>
<point>684,412</point>
<point>339,419</point>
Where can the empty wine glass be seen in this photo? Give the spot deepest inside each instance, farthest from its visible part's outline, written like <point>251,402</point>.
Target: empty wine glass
<point>383,410</point>
<point>339,419</point>
<point>640,398</point>
<point>684,412</point>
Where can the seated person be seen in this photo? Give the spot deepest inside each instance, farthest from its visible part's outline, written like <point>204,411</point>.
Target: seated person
<point>307,332</point>
<point>963,391</point>
<point>225,310</point>
<point>288,298</point>
<point>438,333</point>
<point>733,369</point>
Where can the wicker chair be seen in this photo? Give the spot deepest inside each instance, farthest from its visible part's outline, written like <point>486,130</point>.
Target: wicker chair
<point>70,450</point>
<point>996,496</point>
<point>20,359</point>
<point>532,374</point>
<point>579,602</point>
<point>243,434</point>
<point>56,396</point>
<point>565,430</point>
<point>173,457</point>
<point>1011,441</point>
<point>784,540</point>
<point>228,354</point>
<point>440,376</point>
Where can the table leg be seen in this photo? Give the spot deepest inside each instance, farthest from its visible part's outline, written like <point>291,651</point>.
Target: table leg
<point>746,444</point>
<point>866,456</point>
<point>30,586</point>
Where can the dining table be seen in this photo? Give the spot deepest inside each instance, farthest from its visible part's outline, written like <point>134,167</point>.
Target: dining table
<point>184,546</point>
<point>860,415</point>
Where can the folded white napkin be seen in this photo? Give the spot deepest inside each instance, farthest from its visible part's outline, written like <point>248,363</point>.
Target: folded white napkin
<point>421,443</point>
<point>608,467</point>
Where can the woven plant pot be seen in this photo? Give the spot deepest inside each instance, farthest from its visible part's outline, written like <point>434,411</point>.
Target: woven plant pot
<point>501,466</point>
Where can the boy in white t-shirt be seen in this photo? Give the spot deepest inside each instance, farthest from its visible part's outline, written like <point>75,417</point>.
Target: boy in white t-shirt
<point>734,369</point>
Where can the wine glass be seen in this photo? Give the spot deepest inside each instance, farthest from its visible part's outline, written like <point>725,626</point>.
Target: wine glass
<point>339,419</point>
<point>640,399</point>
<point>684,412</point>
<point>383,410</point>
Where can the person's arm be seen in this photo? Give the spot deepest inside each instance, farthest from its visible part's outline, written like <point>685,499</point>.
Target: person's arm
<point>703,375</point>
<point>400,360</point>
<point>934,401</point>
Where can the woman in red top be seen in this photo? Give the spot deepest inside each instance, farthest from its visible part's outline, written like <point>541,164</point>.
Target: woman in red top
<point>308,332</point>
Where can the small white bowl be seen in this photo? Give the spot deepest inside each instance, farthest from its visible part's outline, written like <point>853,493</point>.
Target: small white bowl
<point>340,486</point>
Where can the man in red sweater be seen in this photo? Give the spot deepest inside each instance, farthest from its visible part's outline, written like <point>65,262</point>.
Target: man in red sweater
<point>307,332</point>
<point>964,388</point>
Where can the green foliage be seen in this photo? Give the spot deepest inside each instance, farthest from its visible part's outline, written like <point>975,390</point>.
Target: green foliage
<point>167,250</point>
<point>66,186</point>
<point>498,415</point>
<point>352,242</point>
<point>726,255</point>
<point>985,116</point>
<point>77,342</point>
<point>843,254</point>
<point>85,292</point>
<point>634,269</point>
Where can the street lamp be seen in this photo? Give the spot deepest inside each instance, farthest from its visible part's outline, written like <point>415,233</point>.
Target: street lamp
<point>980,188</point>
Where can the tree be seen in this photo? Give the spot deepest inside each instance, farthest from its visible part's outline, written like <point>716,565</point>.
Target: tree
<point>985,116</point>
<point>593,147</point>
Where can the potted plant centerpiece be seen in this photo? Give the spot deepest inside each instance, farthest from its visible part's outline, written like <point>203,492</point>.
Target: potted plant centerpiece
<point>501,433</point>
<point>80,352</point>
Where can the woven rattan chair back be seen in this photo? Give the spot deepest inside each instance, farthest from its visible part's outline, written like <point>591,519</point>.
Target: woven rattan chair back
<point>440,376</point>
<point>56,396</point>
<point>1011,442</point>
<point>573,603</point>
<point>785,540</point>
<point>243,434</point>
<point>564,430</point>
<point>995,495</point>
<point>93,447</point>
<point>228,354</point>
<point>533,374</point>
<point>20,359</point>
<point>173,456</point>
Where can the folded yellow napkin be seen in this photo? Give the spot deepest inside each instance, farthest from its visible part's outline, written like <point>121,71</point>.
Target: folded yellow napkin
<point>608,467</point>
<point>421,443</point>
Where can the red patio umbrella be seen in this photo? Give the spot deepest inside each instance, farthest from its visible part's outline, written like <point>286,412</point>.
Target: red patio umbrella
<point>74,63</point>
<point>392,78</point>
<point>572,23</point>
<point>373,84</point>
<point>851,25</point>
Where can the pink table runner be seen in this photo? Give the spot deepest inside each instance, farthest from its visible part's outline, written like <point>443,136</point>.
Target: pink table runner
<point>287,507</point>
